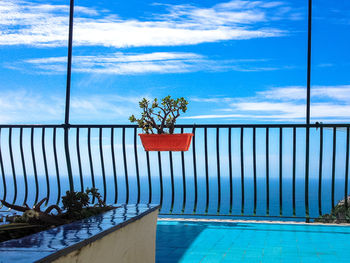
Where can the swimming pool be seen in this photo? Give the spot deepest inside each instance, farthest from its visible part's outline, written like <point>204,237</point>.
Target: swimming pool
<point>193,241</point>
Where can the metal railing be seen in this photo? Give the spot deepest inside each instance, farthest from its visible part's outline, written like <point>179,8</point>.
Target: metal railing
<point>230,170</point>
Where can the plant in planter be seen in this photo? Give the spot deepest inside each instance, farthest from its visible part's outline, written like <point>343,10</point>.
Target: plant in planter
<point>339,214</point>
<point>32,220</point>
<point>158,124</point>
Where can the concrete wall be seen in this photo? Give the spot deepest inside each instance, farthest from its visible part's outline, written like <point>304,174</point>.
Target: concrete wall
<point>133,243</point>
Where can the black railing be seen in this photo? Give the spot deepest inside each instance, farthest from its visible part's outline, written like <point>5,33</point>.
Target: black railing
<point>230,170</point>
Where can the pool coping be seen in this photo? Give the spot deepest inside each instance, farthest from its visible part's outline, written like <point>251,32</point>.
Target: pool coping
<point>252,221</point>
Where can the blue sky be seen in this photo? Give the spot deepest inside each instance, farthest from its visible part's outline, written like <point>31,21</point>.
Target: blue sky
<point>235,61</point>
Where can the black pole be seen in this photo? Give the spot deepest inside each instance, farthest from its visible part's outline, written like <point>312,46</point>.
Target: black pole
<point>307,159</point>
<point>69,64</point>
<point>308,64</point>
<point>69,72</point>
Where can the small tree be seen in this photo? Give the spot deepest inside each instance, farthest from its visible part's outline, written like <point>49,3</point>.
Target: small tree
<point>160,116</point>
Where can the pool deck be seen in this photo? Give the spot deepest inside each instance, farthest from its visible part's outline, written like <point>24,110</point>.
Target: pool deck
<point>202,240</point>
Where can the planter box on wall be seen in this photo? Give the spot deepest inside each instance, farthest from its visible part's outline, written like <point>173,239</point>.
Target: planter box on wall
<point>124,234</point>
<point>166,142</point>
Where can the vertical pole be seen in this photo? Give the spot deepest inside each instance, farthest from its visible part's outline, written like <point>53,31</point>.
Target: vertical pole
<point>308,64</point>
<point>69,64</point>
<point>69,71</point>
<point>308,113</point>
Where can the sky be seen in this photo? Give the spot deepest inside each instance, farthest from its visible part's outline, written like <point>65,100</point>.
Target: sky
<point>234,61</point>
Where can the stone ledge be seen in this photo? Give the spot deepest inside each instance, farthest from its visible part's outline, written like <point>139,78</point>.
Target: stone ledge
<point>52,244</point>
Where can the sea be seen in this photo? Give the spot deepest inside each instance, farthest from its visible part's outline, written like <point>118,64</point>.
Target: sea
<point>174,204</point>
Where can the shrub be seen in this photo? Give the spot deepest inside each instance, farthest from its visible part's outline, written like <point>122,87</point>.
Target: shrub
<point>160,116</point>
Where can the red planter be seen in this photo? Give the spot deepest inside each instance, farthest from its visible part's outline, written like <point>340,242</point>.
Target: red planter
<point>166,142</point>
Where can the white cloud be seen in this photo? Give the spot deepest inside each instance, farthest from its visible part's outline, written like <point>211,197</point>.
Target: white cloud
<point>242,4</point>
<point>27,23</point>
<point>340,92</point>
<point>120,63</point>
<point>21,106</point>
<point>24,106</point>
<point>286,93</point>
<point>328,104</point>
<point>140,63</point>
<point>104,108</point>
<point>325,65</point>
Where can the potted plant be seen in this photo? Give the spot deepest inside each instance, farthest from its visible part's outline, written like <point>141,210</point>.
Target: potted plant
<point>76,206</point>
<point>158,124</point>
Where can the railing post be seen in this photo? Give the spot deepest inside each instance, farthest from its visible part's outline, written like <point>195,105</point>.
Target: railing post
<point>66,149</point>
<point>69,61</point>
<point>307,161</point>
<point>308,95</point>
<point>69,72</point>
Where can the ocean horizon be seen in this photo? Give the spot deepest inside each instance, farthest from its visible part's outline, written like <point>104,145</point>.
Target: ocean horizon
<point>200,207</point>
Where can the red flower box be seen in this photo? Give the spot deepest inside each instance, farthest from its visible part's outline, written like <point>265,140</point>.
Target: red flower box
<point>166,142</point>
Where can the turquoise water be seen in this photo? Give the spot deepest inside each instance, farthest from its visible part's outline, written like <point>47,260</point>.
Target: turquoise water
<point>180,241</point>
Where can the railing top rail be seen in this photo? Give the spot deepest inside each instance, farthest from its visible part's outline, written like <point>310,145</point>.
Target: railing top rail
<point>277,125</point>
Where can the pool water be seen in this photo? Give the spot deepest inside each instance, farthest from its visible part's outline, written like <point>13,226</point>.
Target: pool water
<point>193,241</point>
